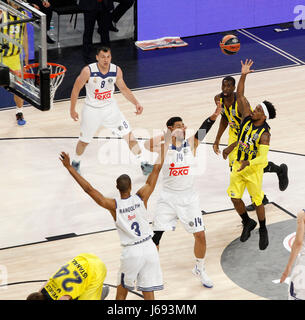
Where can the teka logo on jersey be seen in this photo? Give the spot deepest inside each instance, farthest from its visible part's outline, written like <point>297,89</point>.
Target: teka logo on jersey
<point>131,217</point>
<point>102,95</point>
<point>181,171</point>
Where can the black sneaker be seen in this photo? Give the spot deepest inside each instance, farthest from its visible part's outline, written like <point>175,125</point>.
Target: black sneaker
<point>20,119</point>
<point>263,238</point>
<point>283,177</point>
<point>251,207</point>
<point>248,227</point>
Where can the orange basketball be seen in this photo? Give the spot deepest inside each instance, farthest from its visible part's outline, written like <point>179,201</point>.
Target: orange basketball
<point>229,44</point>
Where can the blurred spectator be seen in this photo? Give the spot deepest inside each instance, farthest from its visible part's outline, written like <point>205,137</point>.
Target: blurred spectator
<point>95,10</point>
<point>45,7</point>
<point>118,12</point>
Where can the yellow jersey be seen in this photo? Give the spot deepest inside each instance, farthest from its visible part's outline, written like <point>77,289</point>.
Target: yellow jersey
<point>14,31</point>
<point>231,114</point>
<point>75,277</point>
<point>248,139</point>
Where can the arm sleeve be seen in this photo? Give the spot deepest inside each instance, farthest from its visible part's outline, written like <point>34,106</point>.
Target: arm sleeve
<point>262,155</point>
<point>204,129</point>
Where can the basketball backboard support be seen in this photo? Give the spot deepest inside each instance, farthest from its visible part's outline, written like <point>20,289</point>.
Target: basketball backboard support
<point>36,93</point>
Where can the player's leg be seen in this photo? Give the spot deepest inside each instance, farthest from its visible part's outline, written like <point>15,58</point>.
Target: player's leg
<point>120,127</point>
<point>136,150</point>
<point>131,262</point>
<point>190,216</point>
<point>254,186</point>
<point>199,252</point>
<point>148,295</point>
<point>121,293</point>
<point>19,110</point>
<point>13,62</point>
<point>165,217</point>
<point>282,173</point>
<point>90,122</point>
<point>150,276</point>
<point>235,191</point>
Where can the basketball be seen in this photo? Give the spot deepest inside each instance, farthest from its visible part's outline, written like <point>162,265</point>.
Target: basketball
<point>229,44</point>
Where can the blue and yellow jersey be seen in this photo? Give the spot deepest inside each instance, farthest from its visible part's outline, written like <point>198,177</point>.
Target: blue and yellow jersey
<point>231,114</point>
<point>80,278</point>
<point>14,31</point>
<point>248,139</point>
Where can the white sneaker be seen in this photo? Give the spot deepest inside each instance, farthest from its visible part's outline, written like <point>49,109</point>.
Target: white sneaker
<point>205,280</point>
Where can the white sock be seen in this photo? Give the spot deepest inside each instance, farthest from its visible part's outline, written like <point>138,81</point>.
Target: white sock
<point>77,158</point>
<point>200,263</point>
<point>18,110</point>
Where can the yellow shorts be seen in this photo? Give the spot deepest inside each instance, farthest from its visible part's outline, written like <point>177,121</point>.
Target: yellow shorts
<point>251,178</point>
<point>98,272</point>
<point>233,155</point>
<point>12,62</point>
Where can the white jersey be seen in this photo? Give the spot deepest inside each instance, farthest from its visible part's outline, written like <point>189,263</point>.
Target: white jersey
<point>178,171</point>
<point>131,221</point>
<point>100,87</point>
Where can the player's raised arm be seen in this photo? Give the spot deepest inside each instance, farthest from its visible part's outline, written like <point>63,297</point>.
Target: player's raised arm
<point>152,179</point>
<point>221,129</point>
<point>78,85</point>
<point>104,202</point>
<point>243,104</point>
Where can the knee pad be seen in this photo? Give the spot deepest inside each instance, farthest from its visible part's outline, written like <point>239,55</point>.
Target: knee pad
<point>157,237</point>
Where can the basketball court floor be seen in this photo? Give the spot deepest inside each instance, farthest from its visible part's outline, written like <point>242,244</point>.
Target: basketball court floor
<point>46,219</point>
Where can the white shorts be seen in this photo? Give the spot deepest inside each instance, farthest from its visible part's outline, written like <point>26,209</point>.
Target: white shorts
<point>174,205</point>
<point>140,266</point>
<point>296,288</point>
<point>110,117</point>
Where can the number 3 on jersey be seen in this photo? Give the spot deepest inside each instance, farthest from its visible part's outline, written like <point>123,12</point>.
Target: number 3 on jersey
<point>135,226</point>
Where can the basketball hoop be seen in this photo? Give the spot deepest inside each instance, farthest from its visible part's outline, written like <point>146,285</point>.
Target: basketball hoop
<point>57,73</point>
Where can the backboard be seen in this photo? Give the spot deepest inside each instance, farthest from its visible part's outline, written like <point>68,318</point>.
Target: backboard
<point>21,23</point>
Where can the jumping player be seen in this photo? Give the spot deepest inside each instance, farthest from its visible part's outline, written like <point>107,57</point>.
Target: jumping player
<point>250,159</point>
<point>231,115</point>
<point>178,198</point>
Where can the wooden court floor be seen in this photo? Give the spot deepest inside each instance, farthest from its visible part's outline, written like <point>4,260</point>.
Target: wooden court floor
<point>39,199</point>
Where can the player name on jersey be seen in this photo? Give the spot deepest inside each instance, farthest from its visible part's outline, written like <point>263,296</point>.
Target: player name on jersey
<point>129,209</point>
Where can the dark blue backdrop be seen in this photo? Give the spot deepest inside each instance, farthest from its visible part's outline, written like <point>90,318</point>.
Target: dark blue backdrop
<point>182,18</point>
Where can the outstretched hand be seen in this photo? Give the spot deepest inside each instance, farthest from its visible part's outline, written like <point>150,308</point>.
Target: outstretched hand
<point>246,67</point>
<point>65,159</point>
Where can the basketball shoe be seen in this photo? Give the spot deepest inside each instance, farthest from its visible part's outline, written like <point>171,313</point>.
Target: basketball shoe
<point>76,166</point>
<point>20,119</point>
<point>202,275</point>
<point>263,238</point>
<point>247,228</point>
<point>146,168</point>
